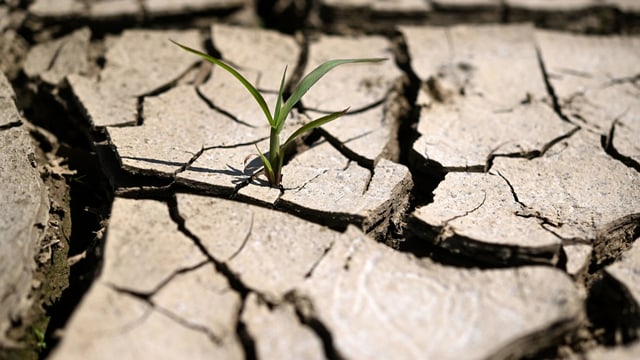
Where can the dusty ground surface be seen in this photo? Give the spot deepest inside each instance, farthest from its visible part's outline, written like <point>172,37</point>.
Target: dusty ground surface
<point>481,199</point>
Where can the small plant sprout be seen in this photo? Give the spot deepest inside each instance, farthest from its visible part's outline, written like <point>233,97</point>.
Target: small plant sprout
<point>273,163</point>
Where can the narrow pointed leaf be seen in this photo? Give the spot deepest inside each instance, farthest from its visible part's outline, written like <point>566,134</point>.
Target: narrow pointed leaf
<point>237,75</point>
<point>267,165</point>
<point>280,91</point>
<point>312,125</point>
<point>308,81</point>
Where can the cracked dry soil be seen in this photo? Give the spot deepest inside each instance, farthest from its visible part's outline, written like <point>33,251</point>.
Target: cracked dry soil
<point>481,198</point>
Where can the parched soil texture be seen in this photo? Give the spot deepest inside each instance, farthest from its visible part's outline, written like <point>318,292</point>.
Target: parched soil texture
<point>479,200</point>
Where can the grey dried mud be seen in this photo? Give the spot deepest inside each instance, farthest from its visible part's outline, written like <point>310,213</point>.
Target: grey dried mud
<point>532,138</point>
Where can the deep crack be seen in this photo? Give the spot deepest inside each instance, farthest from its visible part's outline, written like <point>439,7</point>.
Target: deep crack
<point>214,107</point>
<point>607,144</point>
<point>531,154</point>
<point>557,108</point>
<point>318,261</point>
<point>147,298</point>
<point>248,343</point>
<point>346,151</point>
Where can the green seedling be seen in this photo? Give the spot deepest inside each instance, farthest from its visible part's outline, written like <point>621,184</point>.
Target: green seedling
<point>273,163</point>
<point>39,336</point>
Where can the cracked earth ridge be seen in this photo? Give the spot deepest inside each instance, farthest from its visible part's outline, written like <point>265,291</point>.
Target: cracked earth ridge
<point>208,145</point>
<point>306,282</point>
<point>563,194</point>
<point>25,212</point>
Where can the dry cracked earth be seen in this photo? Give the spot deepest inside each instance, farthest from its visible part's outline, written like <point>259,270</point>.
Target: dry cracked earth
<point>480,200</point>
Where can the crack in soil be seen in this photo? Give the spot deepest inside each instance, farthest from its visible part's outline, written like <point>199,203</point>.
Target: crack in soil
<point>244,241</point>
<point>214,107</point>
<point>305,312</point>
<point>633,80</point>
<point>147,298</point>
<point>248,343</point>
<point>345,150</point>
<point>10,125</point>
<point>306,316</point>
<point>531,154</point>
<point>135,322</point>
<point>318,261</point>
<point>555,102</point>
<point>543,221</point>
<point>446,232</point>
<point>361,109</point>
<point>163,283</point>
<point>606,141</point>
<point>237,285</point>
<point>199,328</point>
<point>140,111</point>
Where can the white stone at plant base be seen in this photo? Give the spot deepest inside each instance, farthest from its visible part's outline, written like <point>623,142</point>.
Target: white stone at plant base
<point>378,303</point>
<point>501,111</point>
<point>278,332</point>
<point>138,62</point>
<point>593,77</point>
<point>368,134</point>
<point>476,212</point>
<point>52,61</point>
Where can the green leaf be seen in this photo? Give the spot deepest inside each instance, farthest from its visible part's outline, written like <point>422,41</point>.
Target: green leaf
<point>237,75</point>
<point>267,165</point>
<point>280,91</point>
<point>312,125</point>
<point>308,81</point>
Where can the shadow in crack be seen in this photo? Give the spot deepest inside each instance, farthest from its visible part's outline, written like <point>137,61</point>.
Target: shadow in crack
<point>238,174</point>
<point>154,161</point>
